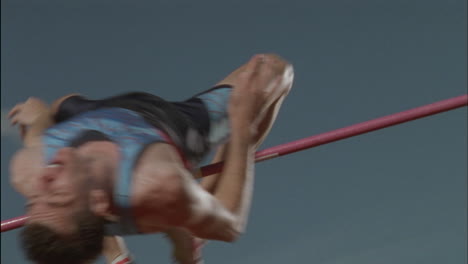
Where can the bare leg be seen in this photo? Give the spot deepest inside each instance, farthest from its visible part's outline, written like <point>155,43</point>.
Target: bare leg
<point>209,183</point>
<point>259,91</point>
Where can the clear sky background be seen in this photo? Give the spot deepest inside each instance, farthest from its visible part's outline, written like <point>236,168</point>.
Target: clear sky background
<point>393,196</point>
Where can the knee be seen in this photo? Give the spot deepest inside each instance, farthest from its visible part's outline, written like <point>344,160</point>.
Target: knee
<point>282,70</point>
<point>274,61</point>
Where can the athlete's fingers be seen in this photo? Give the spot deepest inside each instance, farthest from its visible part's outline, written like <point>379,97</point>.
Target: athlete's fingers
<point>15,110</point>
<point>14,120</point>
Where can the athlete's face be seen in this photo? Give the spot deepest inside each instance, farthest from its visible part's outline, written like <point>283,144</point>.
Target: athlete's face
<point>60,191</point>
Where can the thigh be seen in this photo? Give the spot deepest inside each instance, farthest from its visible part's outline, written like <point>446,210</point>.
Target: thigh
<point>269,119</point>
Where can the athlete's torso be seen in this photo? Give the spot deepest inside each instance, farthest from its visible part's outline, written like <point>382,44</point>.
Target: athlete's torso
<point>137,130</point>
<point>123,127</point>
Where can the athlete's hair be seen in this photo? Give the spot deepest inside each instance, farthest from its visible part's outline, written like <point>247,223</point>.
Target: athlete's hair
<point>44,245</point>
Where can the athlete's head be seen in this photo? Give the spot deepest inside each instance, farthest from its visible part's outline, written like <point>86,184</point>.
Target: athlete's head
<point>43,244</point>
<point>66,210</point>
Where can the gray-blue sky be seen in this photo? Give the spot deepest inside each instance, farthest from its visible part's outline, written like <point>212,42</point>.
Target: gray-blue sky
<point>392,196</point>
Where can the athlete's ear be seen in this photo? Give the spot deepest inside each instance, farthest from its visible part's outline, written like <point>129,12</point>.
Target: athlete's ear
<point>99,204</point>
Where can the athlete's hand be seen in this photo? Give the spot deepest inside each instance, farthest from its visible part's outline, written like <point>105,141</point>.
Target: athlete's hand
<point>27,113</point>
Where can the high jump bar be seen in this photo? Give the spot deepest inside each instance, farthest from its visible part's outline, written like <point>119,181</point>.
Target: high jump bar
<point>320,139</point>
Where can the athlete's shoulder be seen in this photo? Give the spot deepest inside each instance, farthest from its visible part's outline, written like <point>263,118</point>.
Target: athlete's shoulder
<point>158,164</point>
<point>158,184</point>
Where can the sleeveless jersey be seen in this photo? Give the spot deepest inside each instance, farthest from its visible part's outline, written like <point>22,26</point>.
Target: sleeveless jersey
<point>125,128</point>
<point>132,133</point>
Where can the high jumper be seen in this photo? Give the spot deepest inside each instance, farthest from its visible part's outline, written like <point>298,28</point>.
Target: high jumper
<point>127,165</point>
<point>186,246</point>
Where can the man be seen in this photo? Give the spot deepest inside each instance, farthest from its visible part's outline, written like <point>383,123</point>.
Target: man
<point>126,165</point>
